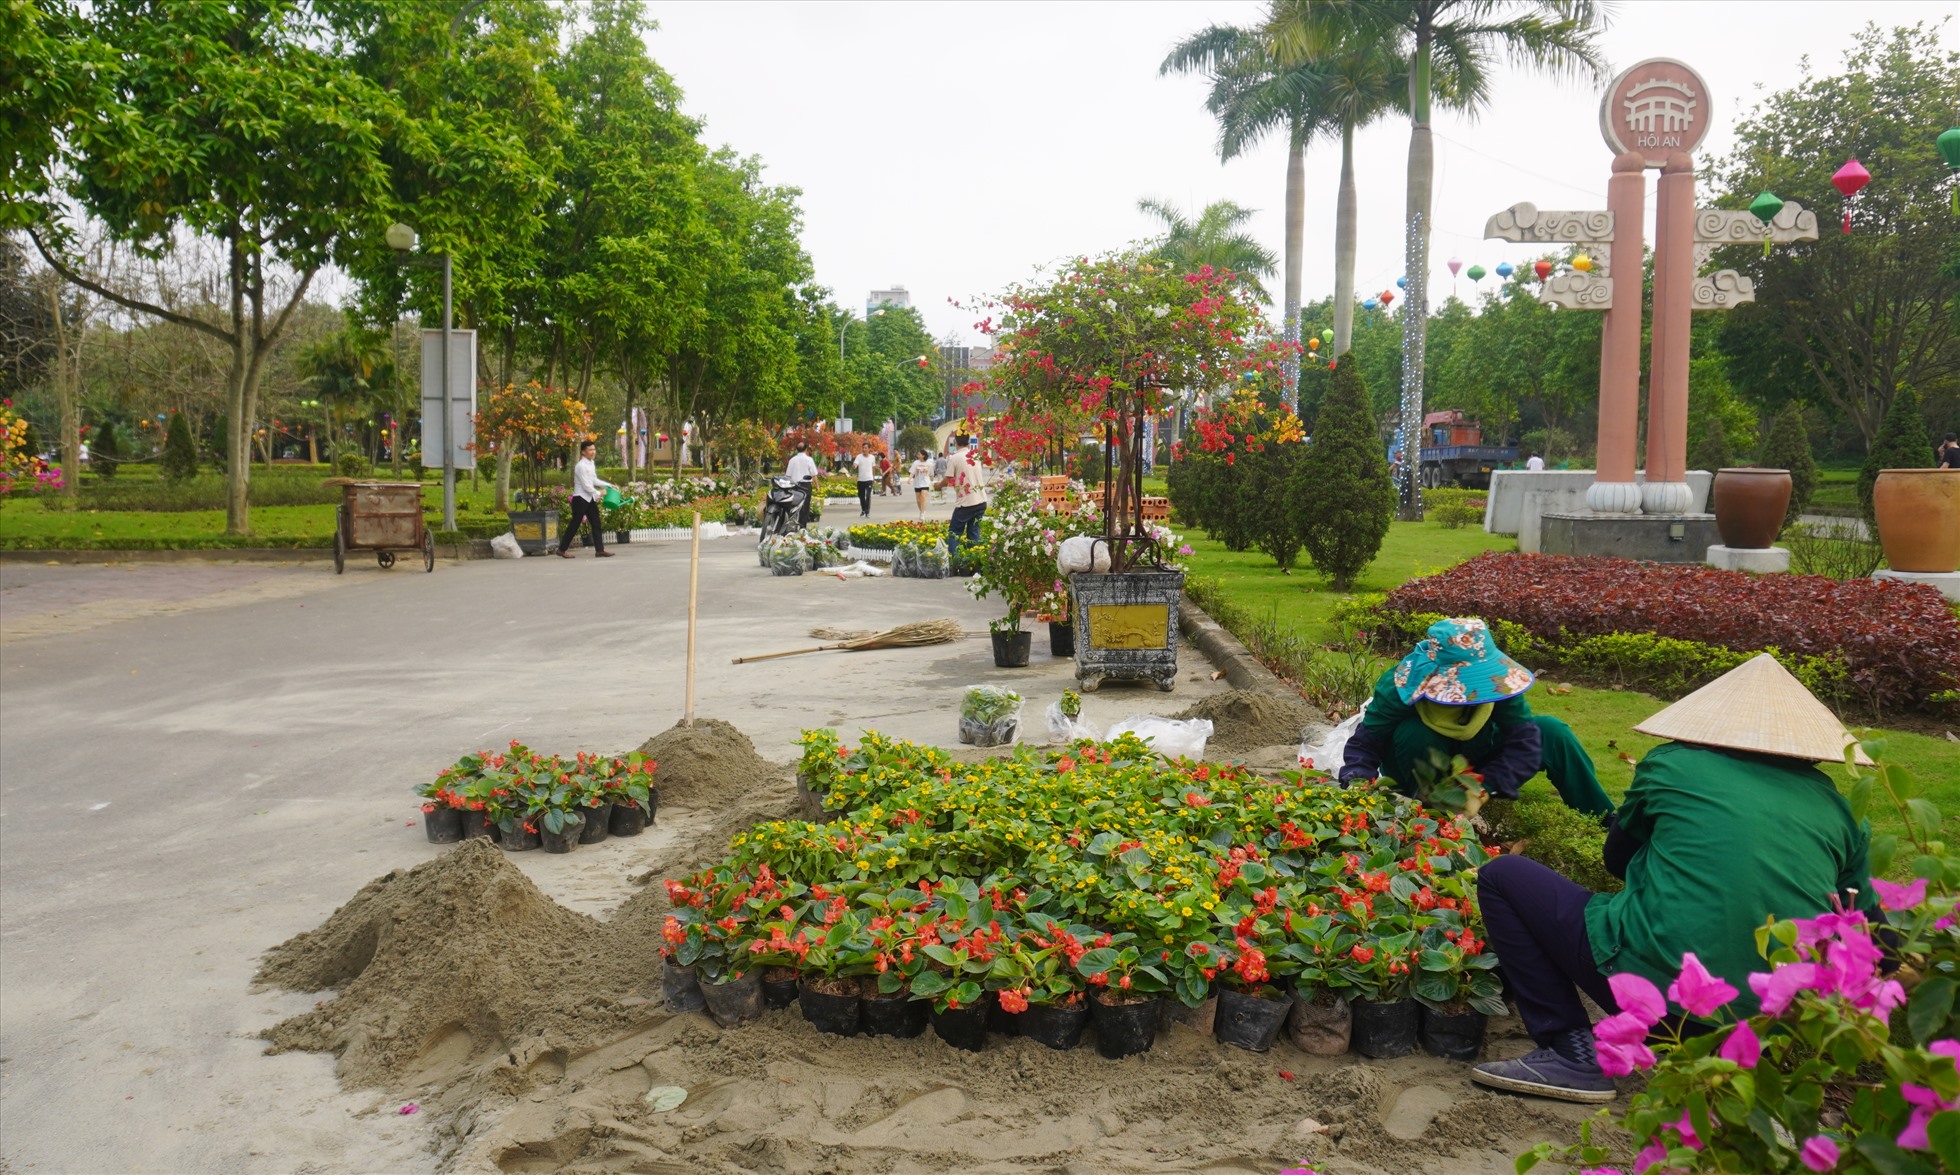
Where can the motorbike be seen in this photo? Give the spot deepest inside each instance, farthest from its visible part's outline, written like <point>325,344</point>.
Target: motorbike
<point>782,507</point>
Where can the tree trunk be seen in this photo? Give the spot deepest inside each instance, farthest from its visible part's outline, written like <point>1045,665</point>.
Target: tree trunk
<point>70,443</point>
<point>1345,217</point>
<point>503,481</point>
<point>1296,234</point>
<point>1415,305</point>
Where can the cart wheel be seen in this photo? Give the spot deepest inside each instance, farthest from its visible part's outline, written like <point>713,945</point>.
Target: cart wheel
<point>339,551</point>
<point>428,550</point>
<point>385,558</point>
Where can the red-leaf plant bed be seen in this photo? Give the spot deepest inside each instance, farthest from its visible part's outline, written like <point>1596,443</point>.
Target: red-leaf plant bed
<point>1899,642</point>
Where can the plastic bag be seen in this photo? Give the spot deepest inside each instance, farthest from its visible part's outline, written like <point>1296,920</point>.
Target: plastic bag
<point>990,716</point>
<point>933,560</point>
<point>1063,729</point>
<point>1173,738</point>
<point>506,546</point>
<point>714,530</point>
<point>859,570</point>
<point>905,560</point>
<point>787,556</point>
<point>1326,754</point>
<point>1082,553</point>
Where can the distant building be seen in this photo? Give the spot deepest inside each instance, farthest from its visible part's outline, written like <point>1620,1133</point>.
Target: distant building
<point>896,296</point>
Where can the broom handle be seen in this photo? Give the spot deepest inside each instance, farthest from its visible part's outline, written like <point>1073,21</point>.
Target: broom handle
<point>790,653</point>
<point>693,594</point>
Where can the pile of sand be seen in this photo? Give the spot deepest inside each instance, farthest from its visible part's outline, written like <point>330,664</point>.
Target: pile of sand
<point>1244,719</point>
<point>708,765</point>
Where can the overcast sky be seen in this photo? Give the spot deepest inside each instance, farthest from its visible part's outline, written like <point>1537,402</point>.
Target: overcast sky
<point>952,148</point>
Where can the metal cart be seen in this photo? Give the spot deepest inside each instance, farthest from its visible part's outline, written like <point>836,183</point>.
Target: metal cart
<point>383,517</point>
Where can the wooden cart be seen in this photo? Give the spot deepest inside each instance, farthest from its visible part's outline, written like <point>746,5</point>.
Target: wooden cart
<point>383,517</point>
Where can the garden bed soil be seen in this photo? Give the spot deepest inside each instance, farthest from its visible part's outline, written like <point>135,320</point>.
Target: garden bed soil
<point>529,1034</point>
<point>1243,720</point>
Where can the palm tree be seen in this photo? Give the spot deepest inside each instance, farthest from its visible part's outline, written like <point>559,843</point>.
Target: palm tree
<point>1252,94</point>
<point>1462,37</point>
<point>1215,239</point>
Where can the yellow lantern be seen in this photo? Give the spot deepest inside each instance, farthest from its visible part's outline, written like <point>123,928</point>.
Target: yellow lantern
<point>1582,263</point>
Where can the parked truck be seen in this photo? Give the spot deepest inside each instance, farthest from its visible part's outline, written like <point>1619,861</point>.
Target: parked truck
<point>1454,453</point>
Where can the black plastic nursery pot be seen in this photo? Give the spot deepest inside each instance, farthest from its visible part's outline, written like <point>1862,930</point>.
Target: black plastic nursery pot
<point>988,734</point>
<point>598,823</point>
<point>477,825</point>
<point>778,987</point>
<point>1061,638</point>
<point>833,1011</point>
<point>735,999</point>
<point>628,819</point>
<point>897,1014</point>
<point>1011,649</point>
<point>680,988</point>
<point>444,825</point>
<point>1123,1029</point>
<point>1249,1021</point>
<point>1055,1026</point>
<point>513,837</point>
<point>1320,1023</point>
<point>1387,1030</point>
<point>565,839</point>
<point>964,1028</point>
<point>1002,1022</point>
<point>1454,1036</point>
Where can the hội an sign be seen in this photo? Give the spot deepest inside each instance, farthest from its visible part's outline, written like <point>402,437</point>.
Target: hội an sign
<point>1657,107</point>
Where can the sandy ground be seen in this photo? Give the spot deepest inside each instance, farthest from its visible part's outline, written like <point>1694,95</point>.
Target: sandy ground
<point>200,760</point>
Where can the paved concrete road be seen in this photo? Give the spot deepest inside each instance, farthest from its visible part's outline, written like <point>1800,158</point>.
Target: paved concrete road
<point>221,755</point>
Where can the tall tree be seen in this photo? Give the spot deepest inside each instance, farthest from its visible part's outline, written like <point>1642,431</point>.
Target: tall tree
<point>1556,37</point>
<point>1855,316</point>
<point>233,124</point>
<point>1216,238</point>
<point>1343,480</point>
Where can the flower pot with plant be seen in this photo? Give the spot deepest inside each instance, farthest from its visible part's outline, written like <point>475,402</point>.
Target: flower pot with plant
<point>989,716</point>
<point>1124,992</point>
<point>1386,1017</point>
<point>534,426</point>
<point>1252,1002</point>
<point>1321,1021</point>
<point>1015,566</point>
<point>1457,985</point>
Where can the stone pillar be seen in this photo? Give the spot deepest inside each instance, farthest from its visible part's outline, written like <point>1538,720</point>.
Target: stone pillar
<point>1666,491</point>
<point>1614,491</point>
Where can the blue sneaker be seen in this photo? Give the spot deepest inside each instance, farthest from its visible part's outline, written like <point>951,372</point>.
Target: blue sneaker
<point>1547,1074</point>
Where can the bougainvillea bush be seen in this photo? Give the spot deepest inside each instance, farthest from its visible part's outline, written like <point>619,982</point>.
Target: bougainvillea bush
<point>534,422</point>
<point>1898,644</point>
<point>1047,874</point>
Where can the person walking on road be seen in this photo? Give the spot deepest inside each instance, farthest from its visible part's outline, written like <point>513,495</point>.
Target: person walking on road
<point>585,503</point>
<point>802,469</point>
<point>922,479</point>
<point>968,480</point>
<point>939,461</point>
<point>867,475</point>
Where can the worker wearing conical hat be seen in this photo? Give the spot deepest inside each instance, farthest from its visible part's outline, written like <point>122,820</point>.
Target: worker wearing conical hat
<point>1456,693</point>
<point>1727,825</point>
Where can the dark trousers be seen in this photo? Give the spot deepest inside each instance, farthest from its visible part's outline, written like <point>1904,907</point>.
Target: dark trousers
<point>583,510</point>
<point>864,497</point>
<point>1536,920</point>
<point>965,527</point>
<point>803,515</point>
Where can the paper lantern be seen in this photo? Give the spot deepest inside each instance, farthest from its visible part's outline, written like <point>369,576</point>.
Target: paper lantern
<point>1327,335</point>
<point>1476,273</point>
<point>1582,263</point>
<point>1455,263</point>
<point>1401,283</point>
<point>1949,145</point>
<point>1504,269</point>
<point>1764,208</point>
<point>1387,296</point>
<point>1849,181</point>
<point>1313,344</point>
<point>1542,268</point>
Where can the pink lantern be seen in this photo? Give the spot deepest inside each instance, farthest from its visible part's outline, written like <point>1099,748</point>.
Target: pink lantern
<point>1849,181</point>
<point>1456,263</point>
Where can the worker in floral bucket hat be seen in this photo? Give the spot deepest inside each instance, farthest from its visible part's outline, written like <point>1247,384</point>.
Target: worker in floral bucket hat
<point>1456,693</point>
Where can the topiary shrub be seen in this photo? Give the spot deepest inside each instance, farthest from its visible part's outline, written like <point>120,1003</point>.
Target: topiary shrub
<point>104,449</point>
<point>1711,451</point>
<point>1788,447</point>
<point>351,464</point>
<point>1341,486</point>
<point>179,460</point>
<point>1902,443</point>
<point>1266,495</point>
<point>1453,507</point>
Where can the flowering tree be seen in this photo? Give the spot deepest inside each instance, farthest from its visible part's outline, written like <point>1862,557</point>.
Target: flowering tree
<point>533,422</point>
<point>1109,341</point>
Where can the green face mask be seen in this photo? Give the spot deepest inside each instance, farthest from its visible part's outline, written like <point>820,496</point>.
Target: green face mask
<point>1454,722</point>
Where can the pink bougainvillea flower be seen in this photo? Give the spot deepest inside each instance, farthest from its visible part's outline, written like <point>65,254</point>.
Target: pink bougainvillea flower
<point>1638,996</point>
<point>1743,1046</point>
<point>1820,1153</point>
<point>1602,1171</point>
<point>1899,897</point>
<point>1649,1155</point>
<point>1946,1048</point>
<point>1811,931</point>
<point>410,1108</point>
<point>1622,1029</point>
<point>1780,986</point>
<point>1698,990</point>
<point>1686,1126</point>
<point>1618,1060</point>
<point>1925,1103</point>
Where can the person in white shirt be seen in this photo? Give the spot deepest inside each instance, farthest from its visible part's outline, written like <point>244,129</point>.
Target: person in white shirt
<point>585,503</point>
<point>867,476</point>
<point>968,480</point>
<point>922,479</point>
<point>802,468</point>
<point>1534,463</point>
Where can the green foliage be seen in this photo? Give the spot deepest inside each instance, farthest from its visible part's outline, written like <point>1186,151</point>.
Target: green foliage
<point>1788,447</point>
<point>104,450</point>
<point>1571,842</point>
<point>179,460</point>
<point>1711,448</point>
<point>1838,548</point>
<point>352,464</point>
<point>1265,493</point>
<point>1902,443</point>
<point>912,438</point>
<point>1217,238</point>
<point>1341,488</point>
<point>1453,507</point>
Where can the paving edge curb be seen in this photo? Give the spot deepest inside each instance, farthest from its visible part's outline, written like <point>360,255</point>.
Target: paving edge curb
<point>475,549</point>
<point>1227,652</point>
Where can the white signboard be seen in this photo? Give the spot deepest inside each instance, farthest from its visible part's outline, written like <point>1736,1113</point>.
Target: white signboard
<point>462,397</point>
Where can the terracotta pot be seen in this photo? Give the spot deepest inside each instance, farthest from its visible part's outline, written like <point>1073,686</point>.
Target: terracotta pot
<point>1919,518</point>
<point>1749,506</point>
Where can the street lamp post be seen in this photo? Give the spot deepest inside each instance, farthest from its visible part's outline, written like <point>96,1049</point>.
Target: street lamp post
<point>401,238</point>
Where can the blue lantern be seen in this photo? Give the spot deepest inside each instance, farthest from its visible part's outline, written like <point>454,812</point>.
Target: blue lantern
<point>1401,283</point>
<point>1505,269</point>
<point>1370,304</point>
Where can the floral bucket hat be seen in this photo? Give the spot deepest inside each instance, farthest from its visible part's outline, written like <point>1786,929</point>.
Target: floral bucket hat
<point>1458,664</point>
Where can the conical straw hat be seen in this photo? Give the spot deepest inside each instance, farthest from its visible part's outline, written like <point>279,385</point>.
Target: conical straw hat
<point>1757,706</point>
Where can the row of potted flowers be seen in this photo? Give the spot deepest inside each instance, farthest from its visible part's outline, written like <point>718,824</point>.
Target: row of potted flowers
<point>525,800</point>
<point>1093,880</point>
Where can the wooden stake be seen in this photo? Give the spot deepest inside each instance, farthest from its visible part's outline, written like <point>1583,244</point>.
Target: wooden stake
<point>693,597</point>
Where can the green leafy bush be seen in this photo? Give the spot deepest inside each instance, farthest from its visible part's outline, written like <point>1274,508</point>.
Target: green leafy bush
<point>1788,447</point>
<point>1453,507</point>
<point>179,461</point>
<point>352,464</point>
<point>1556,836</point>
<point>1342,485</point>
<point>1837,548</point>
<point>104,449</point>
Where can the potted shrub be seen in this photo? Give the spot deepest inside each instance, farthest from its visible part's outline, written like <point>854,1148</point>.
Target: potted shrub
<point>1039,983</point>
<point>1124,994</point>
<point>891,960</point>
<point>1252,1007</point>
<point>1385,1015</point>
<point>828,990</point>
<point>1016,565</point>
<point>989,716</point>
<point>535,425</point>
<point>442,807</point>
<point>550,801</point>
<point>629,792</point>
<point>1458,988</point>
<point>1112,341</point>
<point>1320,1021</point>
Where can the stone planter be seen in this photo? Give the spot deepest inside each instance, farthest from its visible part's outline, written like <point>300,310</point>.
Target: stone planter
<point>1919,519</point>
<point>1749,506</point>
<point>536,530</point>
<point>1126,627</point>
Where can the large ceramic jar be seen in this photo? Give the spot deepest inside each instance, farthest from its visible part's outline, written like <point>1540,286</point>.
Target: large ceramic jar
<point>1919,518</point>
<point>1749,506</point>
